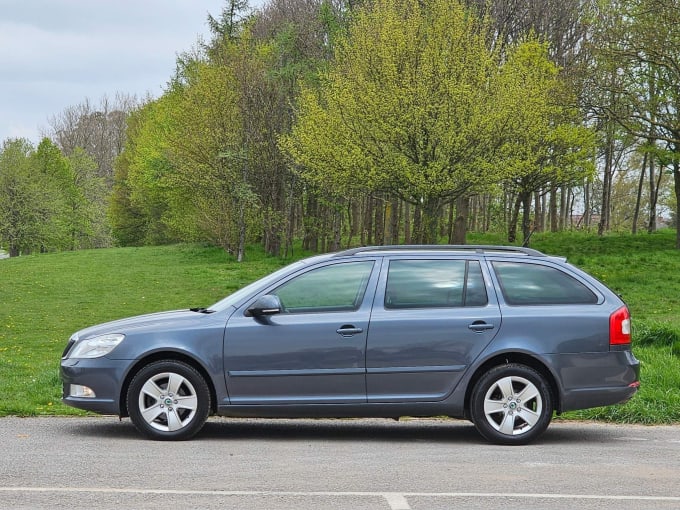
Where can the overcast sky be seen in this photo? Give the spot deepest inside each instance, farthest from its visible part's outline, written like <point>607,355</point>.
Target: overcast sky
<point>57,53</point>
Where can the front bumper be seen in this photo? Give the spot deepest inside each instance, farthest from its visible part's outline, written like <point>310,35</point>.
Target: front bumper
<point>102,375</point>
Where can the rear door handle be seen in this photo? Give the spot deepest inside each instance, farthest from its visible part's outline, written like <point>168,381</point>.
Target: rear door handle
<point>348,330</point>
<point>479,326</point>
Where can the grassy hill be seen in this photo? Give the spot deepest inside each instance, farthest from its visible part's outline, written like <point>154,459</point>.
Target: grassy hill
<point>45,298</point>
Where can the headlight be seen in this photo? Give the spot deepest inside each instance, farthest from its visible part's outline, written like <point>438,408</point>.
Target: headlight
<point>96,347</point>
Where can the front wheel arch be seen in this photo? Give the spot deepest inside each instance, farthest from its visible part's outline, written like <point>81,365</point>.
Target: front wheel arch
<point>161,356</point>
<point>168,400</point>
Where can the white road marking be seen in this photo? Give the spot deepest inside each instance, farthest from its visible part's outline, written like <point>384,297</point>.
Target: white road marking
<point>396,500</point>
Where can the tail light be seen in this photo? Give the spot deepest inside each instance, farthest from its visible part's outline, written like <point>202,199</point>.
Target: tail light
<point>619,327</point>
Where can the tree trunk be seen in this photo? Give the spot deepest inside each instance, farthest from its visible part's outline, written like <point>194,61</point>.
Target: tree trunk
<point>525,197</point>
<point>564,207</point>
<point>539,215</point>
<point>431,212</point>
<point>368,220</point>
<point>379,221</point>
<point>407,223</point>
<point>554,225</point>
<point>241,250</point>
<point>311,220</point>
<point>394,221</point>
<point>603,226</point>
<point>638,199</point>
<point>460,225</point>
<point>417,236</point>
<point>586,205</point>
<point>654,185</point>
<point>451,222</point>
<point>514,217</point>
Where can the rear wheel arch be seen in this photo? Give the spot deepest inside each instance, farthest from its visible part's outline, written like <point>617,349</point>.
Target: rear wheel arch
<point>520,359</point>
<point>162,356</point>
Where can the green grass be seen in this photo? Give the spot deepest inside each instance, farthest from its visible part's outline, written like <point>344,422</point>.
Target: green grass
<point>45,298</point>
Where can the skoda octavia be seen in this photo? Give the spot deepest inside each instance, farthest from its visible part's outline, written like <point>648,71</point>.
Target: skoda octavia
<point>505,337</point>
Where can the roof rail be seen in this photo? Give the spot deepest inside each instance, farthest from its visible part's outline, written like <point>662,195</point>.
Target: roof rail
<point>478,248</point>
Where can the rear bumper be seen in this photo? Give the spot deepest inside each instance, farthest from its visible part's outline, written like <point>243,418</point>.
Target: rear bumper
<point>596,379</point>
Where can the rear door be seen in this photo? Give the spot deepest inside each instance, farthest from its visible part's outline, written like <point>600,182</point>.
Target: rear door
<point>432,316</point>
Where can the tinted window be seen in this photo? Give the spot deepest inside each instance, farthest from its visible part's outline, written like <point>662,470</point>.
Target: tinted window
<point>533,284</point>
<point>434,284</point>
<point>330,288</point>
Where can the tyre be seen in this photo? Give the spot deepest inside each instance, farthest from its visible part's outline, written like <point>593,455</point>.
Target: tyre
<point>511,404</point>
<point>168,400</point>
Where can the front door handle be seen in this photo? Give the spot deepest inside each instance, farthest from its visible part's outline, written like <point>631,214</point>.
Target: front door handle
<point>479,326</point>
<point>348,330</point>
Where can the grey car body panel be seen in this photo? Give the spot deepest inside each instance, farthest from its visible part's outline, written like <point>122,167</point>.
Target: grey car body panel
<point>416,362</point>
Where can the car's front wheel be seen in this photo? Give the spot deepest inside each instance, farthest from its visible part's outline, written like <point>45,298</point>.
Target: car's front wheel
<point>511,404</point>
<point>168,400</point>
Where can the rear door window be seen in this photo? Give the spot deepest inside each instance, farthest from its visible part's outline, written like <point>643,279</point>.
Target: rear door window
<point>535,284</point>
<point>434,284</point>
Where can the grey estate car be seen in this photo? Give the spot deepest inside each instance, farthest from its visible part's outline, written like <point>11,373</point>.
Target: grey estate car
<point>501,336</point>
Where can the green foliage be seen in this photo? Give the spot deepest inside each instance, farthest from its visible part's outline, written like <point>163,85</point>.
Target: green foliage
<point>50,202</point>
<point>418,105</point>
<point>635,44</point>
<point>23,206</point>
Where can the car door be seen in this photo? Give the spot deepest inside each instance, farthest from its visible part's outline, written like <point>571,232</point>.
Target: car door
<point>431,318</point>
<point>314,350</point>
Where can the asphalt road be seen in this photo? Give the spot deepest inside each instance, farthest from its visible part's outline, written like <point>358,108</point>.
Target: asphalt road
<point>101,463</point>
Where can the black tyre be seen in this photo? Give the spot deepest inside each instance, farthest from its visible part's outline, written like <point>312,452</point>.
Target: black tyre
<point>168,400</point>
<point>511,404</point>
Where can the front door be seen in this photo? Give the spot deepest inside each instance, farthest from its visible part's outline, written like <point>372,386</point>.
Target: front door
<point>314,351</point>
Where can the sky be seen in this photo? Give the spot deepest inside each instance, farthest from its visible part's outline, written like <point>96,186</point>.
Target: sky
<point>57,53</point>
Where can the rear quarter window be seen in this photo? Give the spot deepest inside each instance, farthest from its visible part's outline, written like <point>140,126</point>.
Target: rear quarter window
<point>535,284</point>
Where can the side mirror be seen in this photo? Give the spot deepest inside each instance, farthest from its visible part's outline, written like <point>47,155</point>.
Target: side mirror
<point>265,305</point>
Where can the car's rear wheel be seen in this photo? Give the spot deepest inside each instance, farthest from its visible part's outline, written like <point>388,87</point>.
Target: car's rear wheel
<point>511,404</point>
<point>168,400</point>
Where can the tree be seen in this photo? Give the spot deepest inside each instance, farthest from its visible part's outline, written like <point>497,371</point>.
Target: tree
<point>90,227</point>
<point>404,108</point>
<point>29,200</point>
<point>549,146</point>
<point>18,198</point>
<point>98,129</point>
<point>413,106</point>
<point>641,51</point>
<point>140,207</point>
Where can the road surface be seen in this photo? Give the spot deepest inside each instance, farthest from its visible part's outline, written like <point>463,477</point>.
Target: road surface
<point>102,463</point>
